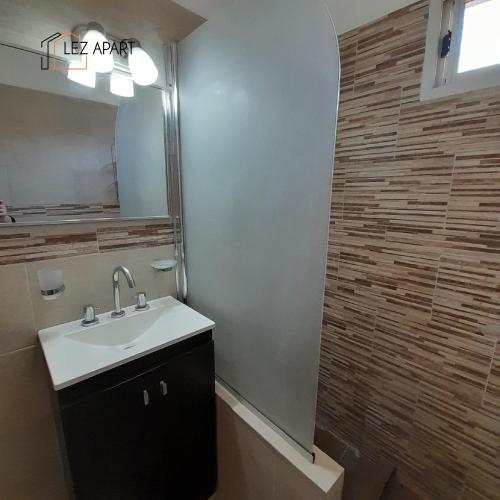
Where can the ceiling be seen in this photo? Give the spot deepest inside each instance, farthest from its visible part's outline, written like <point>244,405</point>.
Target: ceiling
<point>150,21</point>
<point>347,14</point>
<point>204,8</point>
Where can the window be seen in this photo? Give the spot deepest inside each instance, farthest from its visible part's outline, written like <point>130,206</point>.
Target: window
<point>463,47</point>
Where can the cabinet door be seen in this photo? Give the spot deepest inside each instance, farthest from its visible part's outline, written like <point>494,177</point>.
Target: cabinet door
<point>111,442</point>
<point>186,422</point>
<point>151,437</point>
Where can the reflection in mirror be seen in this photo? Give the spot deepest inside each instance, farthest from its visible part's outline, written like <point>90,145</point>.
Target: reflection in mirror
<point>68,152</point>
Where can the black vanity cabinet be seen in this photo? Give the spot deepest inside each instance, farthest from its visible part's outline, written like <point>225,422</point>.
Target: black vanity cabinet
<point>146,430</point>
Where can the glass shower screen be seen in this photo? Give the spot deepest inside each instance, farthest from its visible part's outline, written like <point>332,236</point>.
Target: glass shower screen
<point>258,87</point>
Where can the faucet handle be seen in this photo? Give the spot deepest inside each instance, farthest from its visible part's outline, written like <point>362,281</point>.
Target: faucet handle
<point>142,303</point>
<point>89,316</point>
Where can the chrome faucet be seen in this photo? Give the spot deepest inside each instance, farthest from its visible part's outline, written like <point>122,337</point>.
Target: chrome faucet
<point>118,311</point>
<point>89,316</point>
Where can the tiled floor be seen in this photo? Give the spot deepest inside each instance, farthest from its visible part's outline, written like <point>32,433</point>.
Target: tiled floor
<point>365,479</point>
<point>394,490</point>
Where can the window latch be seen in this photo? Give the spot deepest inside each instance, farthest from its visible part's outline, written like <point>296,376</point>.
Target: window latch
<point>445,45</point>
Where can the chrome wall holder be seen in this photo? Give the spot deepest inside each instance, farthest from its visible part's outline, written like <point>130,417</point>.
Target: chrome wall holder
<point>164,265</point>
<point>54,293</point>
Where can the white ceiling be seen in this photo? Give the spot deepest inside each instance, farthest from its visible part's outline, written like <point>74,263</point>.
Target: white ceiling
<point>204,8</point>
<point>347,14</point>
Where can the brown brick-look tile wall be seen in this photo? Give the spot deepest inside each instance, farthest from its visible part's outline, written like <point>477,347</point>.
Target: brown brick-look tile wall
<point>54,213</point>
<point>31,243</point>
<point>410,359</point>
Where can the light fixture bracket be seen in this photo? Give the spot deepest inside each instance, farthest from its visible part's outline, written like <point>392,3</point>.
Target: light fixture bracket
<point>132,42</point>
<point>78,32</point>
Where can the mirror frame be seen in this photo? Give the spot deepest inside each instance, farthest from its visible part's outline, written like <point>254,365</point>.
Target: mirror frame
<point>172,191</point>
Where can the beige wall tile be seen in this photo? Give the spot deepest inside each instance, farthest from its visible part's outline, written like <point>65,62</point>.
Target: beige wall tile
<point>16,313</point>
<point>246,464</point>
<point>30,461</point>
<point>249,468</point>
<point>155,284</point>
<point>291,484</point>
<point>85,284</point>
<point>88,281</point>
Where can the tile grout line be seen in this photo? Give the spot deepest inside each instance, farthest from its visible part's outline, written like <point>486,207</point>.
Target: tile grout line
<point>452,178</point>
<point>30,298</point>
<point>485,390</point>
<point>19,349</point>
<point>396,145</point>
<point>452,175</point>
<point>438,270</point>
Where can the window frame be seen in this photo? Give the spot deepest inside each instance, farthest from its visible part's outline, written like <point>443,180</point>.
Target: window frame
<point>440,77</point>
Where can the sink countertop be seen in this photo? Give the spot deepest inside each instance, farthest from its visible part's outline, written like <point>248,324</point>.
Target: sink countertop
<point>75,353</point>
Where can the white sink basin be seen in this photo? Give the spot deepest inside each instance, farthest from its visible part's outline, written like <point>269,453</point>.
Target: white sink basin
<point>75,353</point>
<point>118,333</point>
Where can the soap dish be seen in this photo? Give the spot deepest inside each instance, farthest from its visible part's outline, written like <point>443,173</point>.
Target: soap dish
<point>164,265</point>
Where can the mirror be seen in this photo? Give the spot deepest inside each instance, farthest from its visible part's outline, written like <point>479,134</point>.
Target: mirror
<point>70,152</point>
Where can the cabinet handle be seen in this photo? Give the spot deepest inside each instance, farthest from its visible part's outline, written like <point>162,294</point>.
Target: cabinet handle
<point>145,395</point>
<point>163,387</point>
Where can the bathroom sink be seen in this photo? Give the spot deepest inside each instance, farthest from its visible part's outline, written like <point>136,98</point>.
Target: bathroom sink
<point>122,332</point>
<point>75,353</point>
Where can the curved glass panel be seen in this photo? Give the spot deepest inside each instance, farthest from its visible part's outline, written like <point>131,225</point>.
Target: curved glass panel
<point>258,98</point>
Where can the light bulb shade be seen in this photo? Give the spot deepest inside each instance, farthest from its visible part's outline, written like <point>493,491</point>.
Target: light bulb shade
<point>121,85</point>
<point>82,76</point>
<point>98,59</point>
<point>142,67</point>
